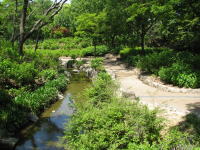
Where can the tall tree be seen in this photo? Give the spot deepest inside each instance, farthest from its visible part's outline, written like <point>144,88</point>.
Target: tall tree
<point>44,20</point>
<point>144,14</point>
<point>181,28</point>
<point>91,25</point>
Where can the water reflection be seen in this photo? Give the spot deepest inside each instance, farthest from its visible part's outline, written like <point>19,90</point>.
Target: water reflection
<point>45,134</point>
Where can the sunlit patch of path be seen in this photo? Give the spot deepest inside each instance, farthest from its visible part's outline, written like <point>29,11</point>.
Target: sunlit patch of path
<point>175,105</point>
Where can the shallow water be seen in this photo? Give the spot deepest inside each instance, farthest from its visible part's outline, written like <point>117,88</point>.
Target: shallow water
<point>45,134</point>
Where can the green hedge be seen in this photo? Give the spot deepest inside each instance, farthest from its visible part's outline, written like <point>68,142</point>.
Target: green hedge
<point>101,50</point>
<point>63,43</point>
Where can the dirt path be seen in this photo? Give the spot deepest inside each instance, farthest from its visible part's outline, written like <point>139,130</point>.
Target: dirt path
<point>175,105</point>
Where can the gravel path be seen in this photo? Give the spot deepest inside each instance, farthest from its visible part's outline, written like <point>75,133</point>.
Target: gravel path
<point>175,105</point>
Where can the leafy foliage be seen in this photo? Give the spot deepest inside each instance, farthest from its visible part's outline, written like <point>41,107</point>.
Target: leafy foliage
<point>108,122</point>
<point>48,74</point>
<point>97,64</point>
<point>178,68</point>
<point>20,92</point>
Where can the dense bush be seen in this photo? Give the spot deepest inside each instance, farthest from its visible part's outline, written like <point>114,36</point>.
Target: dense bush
<point>180,74</point>
<point>97,64</point>
<point>103,89</point>
<point>101,50</point>
<point>43,96</point>
<point>188,80</point>
<point>152,62</point>
<point>15,113</point>
<point>108,122</point>
<point>21,92</point>
<point>20,73</point>
<point>48,74</point>
<point>177,68</point>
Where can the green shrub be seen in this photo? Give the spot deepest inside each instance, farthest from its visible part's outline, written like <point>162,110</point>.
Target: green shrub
<point>16,92</point>
<point>114,126</point>
<point>106,122</point>
<point>103,89</point>
<point>97,64</point>
<point>64,43</point>
<point>179,74</point>
<point>59,83</point>
<point>178,68</point>
<point>101,50</point>
<point>190,80</point>
<point>5,66</point>
<point>124,53</point>
<point>24,73</point>
<point>48,74</point>
<point>13,114</point>
<point>165,74</point>
<point>20,73</point>
<point>153,62</point>
<point>42,97</point>
<point>175,139</point>
<point>46,60</point>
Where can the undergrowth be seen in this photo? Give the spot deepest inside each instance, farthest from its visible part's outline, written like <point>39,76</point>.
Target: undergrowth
<point>105,121</point>
<point>174,67</point>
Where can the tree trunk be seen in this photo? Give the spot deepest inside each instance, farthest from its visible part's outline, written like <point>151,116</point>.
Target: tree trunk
<point>113,41</point>
<point>95,46</point>
<point>142,36</point>
<point>20,48</point>
<point>37,40</point>
<point>22,27</point>
<point>14,23</point>
<point>142,43</point>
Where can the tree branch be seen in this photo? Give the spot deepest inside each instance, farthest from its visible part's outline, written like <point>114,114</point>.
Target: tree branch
<point>57,6</point>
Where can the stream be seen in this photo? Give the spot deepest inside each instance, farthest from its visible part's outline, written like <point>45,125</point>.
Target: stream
<point>45,133</point>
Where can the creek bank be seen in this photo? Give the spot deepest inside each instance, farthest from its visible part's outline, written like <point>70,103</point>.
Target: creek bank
<point>70,64</point>
<point>37,101</point>
<point>45,133</point>
<point>8,140</point>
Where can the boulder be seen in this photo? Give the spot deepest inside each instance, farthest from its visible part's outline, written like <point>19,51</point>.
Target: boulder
<point>64,60</point>
<point>32,117</point>
<point>67,73</point>
<point>60,96</point>
<point>75,71</point>
<point>128,94</point>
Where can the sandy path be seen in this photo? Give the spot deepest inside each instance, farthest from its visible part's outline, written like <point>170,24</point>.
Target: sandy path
<point>175,105</point>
